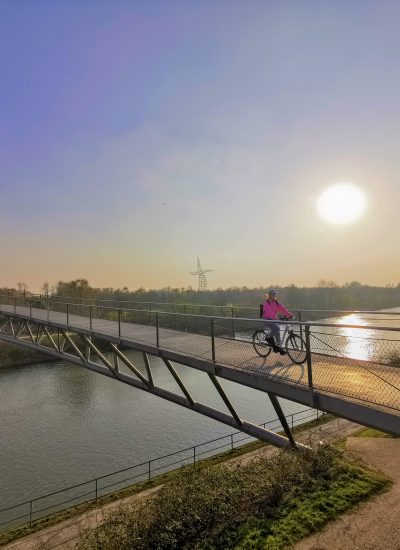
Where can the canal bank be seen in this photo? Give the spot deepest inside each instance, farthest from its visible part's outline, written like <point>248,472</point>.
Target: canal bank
<point>15,356</point>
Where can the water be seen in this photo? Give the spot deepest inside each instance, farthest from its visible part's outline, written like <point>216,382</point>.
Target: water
<point>62,425</point>
<point>359,343</point>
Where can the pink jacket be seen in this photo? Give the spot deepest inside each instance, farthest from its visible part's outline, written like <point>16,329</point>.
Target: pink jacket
<point>271,308</point>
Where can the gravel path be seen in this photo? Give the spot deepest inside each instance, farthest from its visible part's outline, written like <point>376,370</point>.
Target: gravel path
<point>373,525</point>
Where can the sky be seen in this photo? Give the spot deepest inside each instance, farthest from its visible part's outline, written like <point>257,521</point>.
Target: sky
<point>138,135</point>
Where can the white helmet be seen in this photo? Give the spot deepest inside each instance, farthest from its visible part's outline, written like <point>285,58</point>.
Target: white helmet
<point>272,292</point>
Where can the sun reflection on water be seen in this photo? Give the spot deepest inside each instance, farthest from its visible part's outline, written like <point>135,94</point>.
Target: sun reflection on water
<point>358,341</point>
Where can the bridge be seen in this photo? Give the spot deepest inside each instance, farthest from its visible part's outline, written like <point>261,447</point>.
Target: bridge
<point>351,370</point>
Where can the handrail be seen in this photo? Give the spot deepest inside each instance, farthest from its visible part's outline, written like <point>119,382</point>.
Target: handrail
<point>217,317</point>
<point>55,298</point>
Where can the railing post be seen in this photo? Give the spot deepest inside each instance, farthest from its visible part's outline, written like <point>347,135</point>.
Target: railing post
<point>30,309</point>
<point>301,326</point>
<point>308,357</point>
<point>67,315</point>
<point>15,304</point>
<point>30,512</point>
<point>194,454</point>
<point>96,490</point>
<point>231,442</point>
<point>90,318</point>
<point>119,324</point>
<point>158,329</point>
<point>212,341</point>
<point>48,311</point>
<point>233,324</point>
<point>149,470</point>
<point>185,313</point>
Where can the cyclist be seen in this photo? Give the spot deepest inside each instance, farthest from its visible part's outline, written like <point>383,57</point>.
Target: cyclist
<point>269,310</point>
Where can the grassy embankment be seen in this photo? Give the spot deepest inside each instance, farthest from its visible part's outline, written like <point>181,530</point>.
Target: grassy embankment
<point>267,503</point>
<point>360,485</point>
<point>53,519</point>
<point>15,356</point>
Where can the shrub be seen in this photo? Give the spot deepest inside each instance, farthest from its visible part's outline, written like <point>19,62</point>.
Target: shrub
<point>203,508</point>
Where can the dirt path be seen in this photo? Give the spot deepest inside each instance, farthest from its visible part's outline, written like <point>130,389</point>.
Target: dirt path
<point>66,534</point>
<point>373,525</point>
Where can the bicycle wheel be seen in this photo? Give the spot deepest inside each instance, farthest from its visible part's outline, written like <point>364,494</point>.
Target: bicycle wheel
<point>296,349</point>
<point>262,348</point>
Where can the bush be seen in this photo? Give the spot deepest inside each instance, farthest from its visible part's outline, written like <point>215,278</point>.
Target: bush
<point>203,508</point>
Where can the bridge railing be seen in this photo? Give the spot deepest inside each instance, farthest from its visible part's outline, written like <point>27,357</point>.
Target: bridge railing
<point>32,510</point>
<point>390,318</point>
<point>359,360</point>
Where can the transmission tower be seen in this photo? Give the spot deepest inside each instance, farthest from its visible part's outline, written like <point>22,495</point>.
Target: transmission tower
<point>202,276</point>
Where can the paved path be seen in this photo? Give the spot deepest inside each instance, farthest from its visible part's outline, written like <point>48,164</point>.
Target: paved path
<point>373,525</point>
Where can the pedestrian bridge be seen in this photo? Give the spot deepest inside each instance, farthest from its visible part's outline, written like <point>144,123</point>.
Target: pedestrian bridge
<point>351,370</point>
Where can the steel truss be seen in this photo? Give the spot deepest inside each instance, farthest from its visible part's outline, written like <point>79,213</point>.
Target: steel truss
<point>78,348</point>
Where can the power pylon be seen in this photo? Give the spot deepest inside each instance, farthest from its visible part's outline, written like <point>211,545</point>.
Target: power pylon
<point>202,276</point>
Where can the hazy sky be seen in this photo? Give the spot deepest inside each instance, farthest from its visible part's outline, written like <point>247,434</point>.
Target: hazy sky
<point>137,135</point>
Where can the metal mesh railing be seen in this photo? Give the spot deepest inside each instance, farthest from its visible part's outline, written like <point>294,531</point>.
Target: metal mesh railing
<point>358,360</point>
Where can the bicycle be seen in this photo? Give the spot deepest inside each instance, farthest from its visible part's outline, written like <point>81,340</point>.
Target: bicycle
<point>292,343</point>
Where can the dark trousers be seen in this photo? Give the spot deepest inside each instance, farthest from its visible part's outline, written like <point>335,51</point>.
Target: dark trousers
<point>274,331</point>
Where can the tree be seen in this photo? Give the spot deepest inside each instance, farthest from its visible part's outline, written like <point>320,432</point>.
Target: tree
<point>22,287</point>
<point>45,288</point>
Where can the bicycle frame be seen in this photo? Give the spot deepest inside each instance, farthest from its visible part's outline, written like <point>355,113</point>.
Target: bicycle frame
<point>286,333</point>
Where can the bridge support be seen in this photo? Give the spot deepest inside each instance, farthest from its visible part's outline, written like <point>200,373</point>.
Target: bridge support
<point>67,347</point>
<point>282,419</point>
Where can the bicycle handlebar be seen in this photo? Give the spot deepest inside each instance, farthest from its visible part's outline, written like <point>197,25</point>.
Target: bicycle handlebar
<point>287,318</point>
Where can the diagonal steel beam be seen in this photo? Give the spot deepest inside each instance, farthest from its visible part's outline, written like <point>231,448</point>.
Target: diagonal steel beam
<point>28,328</point>
<point>20,328</point>
<point>12,327</point>
<point>225,399</point>
<point>38,334</point>
<point>72,344</point>
<point>179,381</point>
<point>148,369</point>
<point>49,336</point>
<point>97,352</point>
<point>282,419</point>
<point>129,364</point>
<point>4,324</point>
<point>116,362</point>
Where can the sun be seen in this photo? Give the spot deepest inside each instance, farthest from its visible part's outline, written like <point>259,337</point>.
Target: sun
<point>341,203</point>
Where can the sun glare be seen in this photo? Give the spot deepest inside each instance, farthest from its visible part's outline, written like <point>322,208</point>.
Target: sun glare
<point>342,203</point>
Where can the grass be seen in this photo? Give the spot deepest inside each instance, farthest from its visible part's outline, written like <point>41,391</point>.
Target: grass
<point>265,504</point>
<point>302,515</point>
<point>371,432</point>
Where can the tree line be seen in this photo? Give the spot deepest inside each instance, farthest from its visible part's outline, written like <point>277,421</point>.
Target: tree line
<point>325,295</point>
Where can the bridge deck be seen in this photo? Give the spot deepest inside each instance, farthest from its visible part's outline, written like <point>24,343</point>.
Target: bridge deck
<point>352,381</point>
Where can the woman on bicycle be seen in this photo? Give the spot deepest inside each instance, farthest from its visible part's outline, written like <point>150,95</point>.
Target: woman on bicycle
<point>269,310</point>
